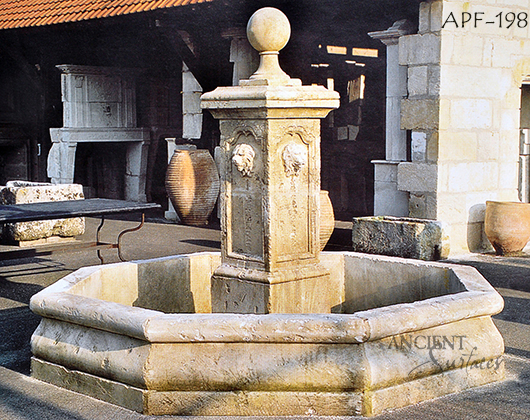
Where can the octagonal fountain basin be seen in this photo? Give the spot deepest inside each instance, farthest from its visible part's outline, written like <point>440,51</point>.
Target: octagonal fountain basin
<point>141,335</point>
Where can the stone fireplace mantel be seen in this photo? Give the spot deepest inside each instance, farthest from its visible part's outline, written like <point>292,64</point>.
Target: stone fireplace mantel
<point>99,106</point>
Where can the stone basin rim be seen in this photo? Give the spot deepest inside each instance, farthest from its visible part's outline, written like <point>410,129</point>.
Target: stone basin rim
<point>479,299</point>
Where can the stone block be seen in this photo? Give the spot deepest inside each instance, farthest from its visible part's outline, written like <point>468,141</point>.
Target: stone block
<point>419,49</point>
<point>489,146</point>
<point>189,82</point>
<point>508,174</point>
<point>458,146</point>
<point>191,126</point>
<point>191,103</point>
<point>472,176</point>
<point>417,176</point>
<point>432,147</point>
<point>419,114</point>
<point>419,146</point>
<point>503,51</point>
<point>475,82</point>
<point>433,87</point>
<point>445,114</point>
<point>510,119</point>
<point>446,52</point>
<point>451,207</point>
<point>422,206</point>
<point>471,113</point>
<point>417,80</point>
<point>425,15</point>
<point>468,49</point>
<point>353,132</point>
<point>342,133</point>
<point>509,145</point>
<point>436,16</point>
<point>400,236</point>
<point>21,192</point>
<point>389,201</point>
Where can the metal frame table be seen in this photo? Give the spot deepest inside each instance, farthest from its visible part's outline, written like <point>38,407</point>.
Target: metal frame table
<point>94,207</point>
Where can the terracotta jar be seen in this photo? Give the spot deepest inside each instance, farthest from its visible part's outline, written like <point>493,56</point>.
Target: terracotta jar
<point>507,226</point>
<point>327,219</point>
<point>192,183</point>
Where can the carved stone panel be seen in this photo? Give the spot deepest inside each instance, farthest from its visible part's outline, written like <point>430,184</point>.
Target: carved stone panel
<point>104,88</point>
<point>294,199</point>
<point>244,165</point>
<point>98,97</point>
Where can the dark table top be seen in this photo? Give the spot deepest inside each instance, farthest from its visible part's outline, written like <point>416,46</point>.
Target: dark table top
<point>71,208</point>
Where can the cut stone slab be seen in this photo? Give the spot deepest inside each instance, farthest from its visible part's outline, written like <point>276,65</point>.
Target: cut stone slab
<point>38,232</point>
<point>400,237</point>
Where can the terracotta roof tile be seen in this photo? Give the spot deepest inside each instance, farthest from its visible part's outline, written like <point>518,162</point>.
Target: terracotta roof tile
<point>25,13</point>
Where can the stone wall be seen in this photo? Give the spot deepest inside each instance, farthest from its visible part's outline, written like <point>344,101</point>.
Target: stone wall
<point>463,103</point>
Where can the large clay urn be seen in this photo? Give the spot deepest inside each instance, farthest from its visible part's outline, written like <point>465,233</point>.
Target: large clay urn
<point>507,226</point>
<point>192,183</point>
<point>327,219</point>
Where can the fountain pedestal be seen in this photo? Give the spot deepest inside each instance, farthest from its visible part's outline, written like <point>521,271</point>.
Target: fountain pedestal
<point>270,185</point>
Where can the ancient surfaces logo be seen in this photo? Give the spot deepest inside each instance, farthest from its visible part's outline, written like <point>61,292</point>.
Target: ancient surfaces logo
<point>463,355</point>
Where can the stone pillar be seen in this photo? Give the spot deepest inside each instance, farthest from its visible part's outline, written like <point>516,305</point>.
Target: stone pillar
<point>270,183</point>
<point>524,166</point>
<point>463,108</point>
<point>61,159</point>
<point>135,171</point>
<point>191,105</point>
<point>388,200</point>
<point>244,57</point>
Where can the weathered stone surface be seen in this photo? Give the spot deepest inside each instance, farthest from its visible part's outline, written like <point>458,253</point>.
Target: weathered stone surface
<point>201,403</point>
<point>422,205</point>
<point>417,177</point>
<point>279,364</point>
<point>388,200</point>
<point>270,183</point>
<point>20,192</point>
<point>417,80</point>
<point>419,49</point>
<point>402,237</point>
<point>419,114</point>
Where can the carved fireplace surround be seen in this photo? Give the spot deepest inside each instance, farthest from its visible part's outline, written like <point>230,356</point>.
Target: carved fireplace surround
<point>99,106</point>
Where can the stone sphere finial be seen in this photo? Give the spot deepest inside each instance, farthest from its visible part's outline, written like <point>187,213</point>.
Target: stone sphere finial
<point>268,29</point>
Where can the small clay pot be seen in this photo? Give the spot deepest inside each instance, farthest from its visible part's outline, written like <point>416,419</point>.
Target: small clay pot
<point>507,226</point>
<point>327,219</point>
<point>192,183</point>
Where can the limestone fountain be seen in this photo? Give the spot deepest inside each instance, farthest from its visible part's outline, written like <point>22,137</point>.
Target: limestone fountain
<point>270,326</point>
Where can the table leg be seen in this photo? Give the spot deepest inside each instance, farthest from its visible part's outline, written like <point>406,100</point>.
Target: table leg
<point>127,231</point>
<point>97,238</point>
